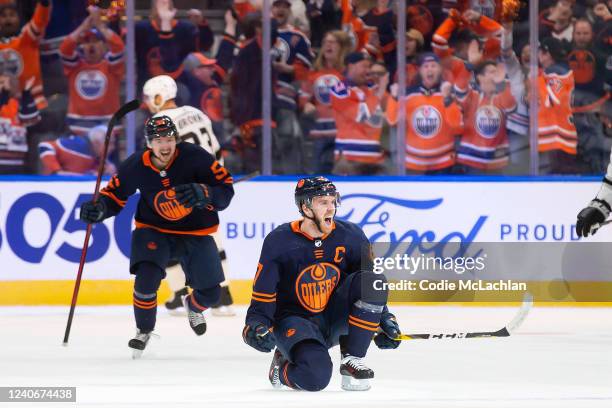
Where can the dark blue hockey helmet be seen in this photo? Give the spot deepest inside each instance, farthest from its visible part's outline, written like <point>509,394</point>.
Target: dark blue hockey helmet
<point>317,186</point>
<point>160,126</point>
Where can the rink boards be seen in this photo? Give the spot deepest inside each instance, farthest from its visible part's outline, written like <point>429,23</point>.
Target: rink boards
<point>41,236</point>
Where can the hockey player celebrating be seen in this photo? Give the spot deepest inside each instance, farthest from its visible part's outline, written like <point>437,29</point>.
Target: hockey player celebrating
<point>182,187</point>
<point>598,210</point>
<point>195,127</point>
<point>313,290</point>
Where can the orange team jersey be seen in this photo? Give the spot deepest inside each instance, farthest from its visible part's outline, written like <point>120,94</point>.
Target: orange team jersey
<point>316,89</point>
<point>359,120</point>
<point>94,88</point>
<point>431,127</point>
<point>67,155</point>
<point>556,129</point>
<point>484,144</point>
<point>487,29</point>
<point>20,55</point>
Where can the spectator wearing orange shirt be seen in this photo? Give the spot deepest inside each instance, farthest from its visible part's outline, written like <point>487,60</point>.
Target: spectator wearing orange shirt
<point>93,62</point>
<point>358,107</point>
<point>433,120</point>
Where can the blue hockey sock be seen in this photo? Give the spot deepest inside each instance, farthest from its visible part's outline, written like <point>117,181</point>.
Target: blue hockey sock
<point>148,279</point>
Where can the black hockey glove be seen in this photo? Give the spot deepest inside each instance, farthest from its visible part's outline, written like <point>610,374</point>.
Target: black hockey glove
<point>193,195</point>
<point>595,213</point>
<point>390,330</point>
<point>92,213</point>
<point>260,337</point>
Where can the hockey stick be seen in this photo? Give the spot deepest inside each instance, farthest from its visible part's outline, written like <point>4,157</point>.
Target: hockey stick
<point>503,332</point>
<point>247,177</point>
<point>123,110</point>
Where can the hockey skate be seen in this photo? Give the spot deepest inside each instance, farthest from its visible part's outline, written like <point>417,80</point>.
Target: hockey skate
<point>139,343</point>
<point>197,321</point>
<point>224,307</point>
<point>355,375</point>
<point>278,361</point>
<point>175,304</point>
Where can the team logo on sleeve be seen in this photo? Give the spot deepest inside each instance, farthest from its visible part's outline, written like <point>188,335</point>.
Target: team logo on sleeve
<point>91,84</point>
<point>168,207</point>
<point>323,86</point>
<point>488,121</point>
<point>426,121</point>
<point>315,285</point>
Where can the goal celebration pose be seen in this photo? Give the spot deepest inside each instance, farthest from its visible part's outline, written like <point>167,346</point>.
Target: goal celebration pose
<point>182,187</point>
<point>314,289</point>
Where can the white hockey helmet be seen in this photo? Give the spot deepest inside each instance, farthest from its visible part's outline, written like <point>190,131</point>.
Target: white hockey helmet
<point>157,91</point>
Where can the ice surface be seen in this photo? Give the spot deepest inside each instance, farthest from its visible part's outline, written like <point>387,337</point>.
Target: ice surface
<point>560,357</point>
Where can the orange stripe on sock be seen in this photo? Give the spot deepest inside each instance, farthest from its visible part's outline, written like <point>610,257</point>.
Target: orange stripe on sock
<point>286,377</point>
<point>263,300</point>
<point>367,323</point>
<point>362,327</point>
<point>196,304</point>
<point>144,302</point>
<point>264,295</point>
<point>145,307</point>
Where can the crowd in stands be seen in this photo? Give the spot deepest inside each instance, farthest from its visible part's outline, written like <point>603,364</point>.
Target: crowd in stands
<point>336,102</point>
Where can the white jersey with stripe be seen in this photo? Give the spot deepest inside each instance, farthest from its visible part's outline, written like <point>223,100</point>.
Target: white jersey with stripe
<point>605,192</point>
<point>194,127</point>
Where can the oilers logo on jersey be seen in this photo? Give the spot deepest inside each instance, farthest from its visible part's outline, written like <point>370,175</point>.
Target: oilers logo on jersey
<point>315,285</point>
<point>426,121</point>
<point>168,207</point>
<point>91,84</point>
<point>488,121</point>
<point>322,87</point>
<point>283,49</point>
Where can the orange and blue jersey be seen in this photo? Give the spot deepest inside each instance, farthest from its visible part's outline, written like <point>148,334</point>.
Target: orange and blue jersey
<point>20,55</point>
<point>298,274</point>
<point>294,49</point>
<point>157,207</point>
<point>431,127</point>
<point>359,121</point>
<point>316,89</point>
<point>68,155</point>
<point>556,129</point>
<point>484,143</point>
<point>93,88</point>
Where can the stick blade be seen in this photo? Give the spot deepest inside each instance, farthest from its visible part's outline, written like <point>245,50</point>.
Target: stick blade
<point>521,315</point>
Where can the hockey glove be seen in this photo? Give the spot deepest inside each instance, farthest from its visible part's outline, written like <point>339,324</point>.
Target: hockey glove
<point>193,195</point>
<point>92,213</point>
<point>260,337</point>
<point>390,330</point>
<point>591,216</point>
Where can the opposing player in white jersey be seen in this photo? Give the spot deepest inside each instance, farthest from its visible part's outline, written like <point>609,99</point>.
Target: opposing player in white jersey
<point>193,126</point>
<point>590,219</point>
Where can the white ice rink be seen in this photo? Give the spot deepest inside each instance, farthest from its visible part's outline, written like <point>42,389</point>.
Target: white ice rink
<point>560,357</point>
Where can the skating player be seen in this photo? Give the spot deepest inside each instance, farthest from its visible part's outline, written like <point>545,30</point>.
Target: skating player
<point>313,290</point>
<point>598,210</point>
<point>195,127</point>
<point>182,187</point>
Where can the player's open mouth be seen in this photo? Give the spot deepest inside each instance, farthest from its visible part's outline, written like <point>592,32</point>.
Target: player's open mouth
<point>328,221</point>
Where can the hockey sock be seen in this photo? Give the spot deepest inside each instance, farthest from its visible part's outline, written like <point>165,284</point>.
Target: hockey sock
<point>364,317</point>
<point>148,279</point>
<point>202,299</point>
<point>311,369</point>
